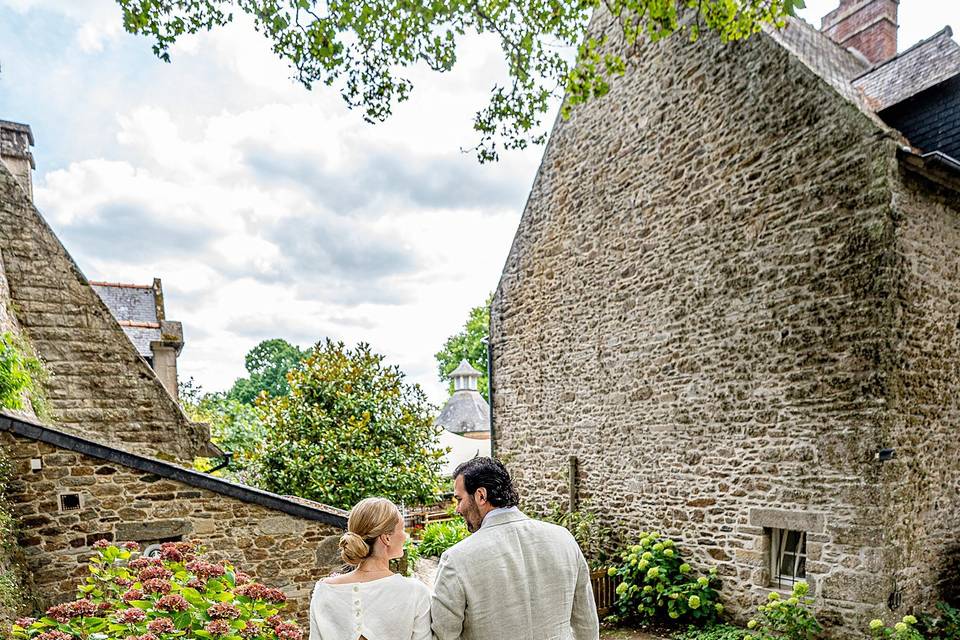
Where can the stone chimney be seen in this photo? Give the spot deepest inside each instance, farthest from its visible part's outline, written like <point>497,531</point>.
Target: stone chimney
<point>15,142</point>
<point>868,26</point>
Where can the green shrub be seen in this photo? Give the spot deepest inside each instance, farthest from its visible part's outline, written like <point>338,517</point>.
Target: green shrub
<point>439,536</point>
<point>712,632</point>
<point>596,540</point>
<point>945,626</point>
<point>655,583</point>
<point>176,595</point>
<point>789,619</point>
<point>903,630</point>
<point>20,375</point>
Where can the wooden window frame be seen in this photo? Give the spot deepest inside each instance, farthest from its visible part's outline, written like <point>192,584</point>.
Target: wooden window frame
<point>779,551</point>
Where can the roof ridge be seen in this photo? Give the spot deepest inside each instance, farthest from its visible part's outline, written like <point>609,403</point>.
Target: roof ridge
<point>946,31</point>
<point>26,428</point>
<point>119,285</point>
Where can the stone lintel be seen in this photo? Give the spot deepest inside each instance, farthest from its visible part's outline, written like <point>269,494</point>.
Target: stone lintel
<point>787,519</point>
<point>152,531</point>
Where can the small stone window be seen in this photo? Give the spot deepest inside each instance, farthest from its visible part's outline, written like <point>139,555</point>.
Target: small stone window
<point>70,502</point>
<point>788,557</point>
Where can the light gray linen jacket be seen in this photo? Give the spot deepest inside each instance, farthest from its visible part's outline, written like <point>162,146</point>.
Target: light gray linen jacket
<point>517,579</point>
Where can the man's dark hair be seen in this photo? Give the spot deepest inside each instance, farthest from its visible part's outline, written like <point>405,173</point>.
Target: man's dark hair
<point>493,476</point>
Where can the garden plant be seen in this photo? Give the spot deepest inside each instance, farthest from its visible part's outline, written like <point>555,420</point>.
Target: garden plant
<point>903,630</point>
<point>656,584</point>
<point>437,537</point>
<point>179,594</point>
<point>789,619</point>
<point>944,625</point>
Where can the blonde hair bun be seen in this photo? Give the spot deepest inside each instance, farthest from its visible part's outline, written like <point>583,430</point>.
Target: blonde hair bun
<point>369,519</point>
<point>353,548</point>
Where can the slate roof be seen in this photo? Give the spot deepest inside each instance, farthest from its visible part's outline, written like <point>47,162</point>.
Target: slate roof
<point>298,507</point>
<point>135,308</point>
<point>925,64</point>
<point>465,412</point>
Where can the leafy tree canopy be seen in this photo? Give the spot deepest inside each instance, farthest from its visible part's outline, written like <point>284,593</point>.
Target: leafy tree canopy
<point>351,427</point>
<point>468,344</point>
<point>267,365</point>
<point>367,47</point>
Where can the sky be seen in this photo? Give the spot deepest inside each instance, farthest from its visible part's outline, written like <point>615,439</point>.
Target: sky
<point>268,210</point>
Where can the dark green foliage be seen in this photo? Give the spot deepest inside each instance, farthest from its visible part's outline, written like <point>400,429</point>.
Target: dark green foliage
<point>367,48</point>
<point>656,584</point>
<point>942,625</point>
<point>351,427</point>
<point>718,631</point>
<point>468,345</point>
<point>267,364</point>
<point>437,537</point>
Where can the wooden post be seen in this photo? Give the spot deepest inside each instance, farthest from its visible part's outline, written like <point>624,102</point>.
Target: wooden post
<point>572,483</point>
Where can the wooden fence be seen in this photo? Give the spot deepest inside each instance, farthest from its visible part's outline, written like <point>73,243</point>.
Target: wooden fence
<point>604,590</point>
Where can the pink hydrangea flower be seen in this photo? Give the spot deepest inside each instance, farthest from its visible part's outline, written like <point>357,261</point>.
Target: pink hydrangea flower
<point>172,603</point>
<point>124,582</point>
<point>288,631</point>
<point>275,596</point>
<point>151,573</point>
<point>161,625</point>
<point>197,583</point>
<point>170,553</point>
<point>156,585</point>
<point>242,578</point>
<point>251,630</point>
<point>56,634</point>
<point>131,595</point>
<point>83,609</point>
<point>224,610</point>
<point>142,563</point>
<point>218,627</point>
<point>25,622</point>
<point>131,616</point>
<point>101,544</point>
<point>205,569</point>
<point>253,590</point>
<point>131,546</point>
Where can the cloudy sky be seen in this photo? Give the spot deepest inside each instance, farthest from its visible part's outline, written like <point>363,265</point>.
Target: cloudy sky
<point>268,210</point>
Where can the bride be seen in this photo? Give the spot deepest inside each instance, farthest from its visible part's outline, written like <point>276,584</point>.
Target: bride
<point>371,602</point>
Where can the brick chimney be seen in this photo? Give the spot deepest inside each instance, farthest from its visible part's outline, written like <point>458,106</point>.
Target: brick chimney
<point>869,26</point>
<point>15,142</point>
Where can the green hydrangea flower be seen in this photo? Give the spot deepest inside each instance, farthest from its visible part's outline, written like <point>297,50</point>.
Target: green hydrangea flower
<point>668,543</point>
<point>800,589</point>
<point>718,607</point>
<point>793,602</point>
<point>658,546</point>
<point>752,624</point>
<point>612,571</point>
<point>693,602</point>
<point>876,623</point>
<point>668,553</point>
<point>642,565</point>
<point>653,573</point>
<point>773,596</point>
<point>622,588</point>
<point>703,582</point>
<point>674,615</point>
<point>901,627</point>
<point>908,619</point>
<point>684,568</point>
<point>647,589</point>
<point>647,555</point>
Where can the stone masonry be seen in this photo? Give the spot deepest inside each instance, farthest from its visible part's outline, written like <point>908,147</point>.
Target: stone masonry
<point>98,385</point>
<point>725,296</point>
<point>120,503</point>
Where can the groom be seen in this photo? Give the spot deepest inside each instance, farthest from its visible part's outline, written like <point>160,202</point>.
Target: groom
<point>515,578</point>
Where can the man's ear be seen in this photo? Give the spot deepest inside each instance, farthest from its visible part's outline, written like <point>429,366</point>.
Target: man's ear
<point>481,494</point>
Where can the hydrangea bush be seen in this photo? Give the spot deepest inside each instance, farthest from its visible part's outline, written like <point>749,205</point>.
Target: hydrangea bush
<point>903,630</point>
<point>179,594</point>
<point>788,619</point>
<point>655,582</point>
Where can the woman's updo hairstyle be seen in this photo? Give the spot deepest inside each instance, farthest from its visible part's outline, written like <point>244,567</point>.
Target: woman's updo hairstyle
<point>369,518</point>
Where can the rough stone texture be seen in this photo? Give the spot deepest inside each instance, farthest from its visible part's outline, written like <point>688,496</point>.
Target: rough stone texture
<point>118,504</point>
<point>706,303</point>
<point>869,26</point>
<point>99,386</point>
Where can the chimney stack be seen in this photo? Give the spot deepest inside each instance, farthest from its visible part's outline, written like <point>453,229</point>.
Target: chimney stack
<point>868,26</point>
<point>15,142</point>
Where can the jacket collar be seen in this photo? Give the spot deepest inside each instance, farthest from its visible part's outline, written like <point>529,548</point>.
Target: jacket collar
<point>504,517</point>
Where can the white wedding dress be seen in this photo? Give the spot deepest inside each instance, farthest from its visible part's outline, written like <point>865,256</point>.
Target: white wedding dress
<point>391,608</point>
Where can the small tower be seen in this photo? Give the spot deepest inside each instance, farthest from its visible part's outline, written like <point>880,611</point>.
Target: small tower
<point>466,412</point>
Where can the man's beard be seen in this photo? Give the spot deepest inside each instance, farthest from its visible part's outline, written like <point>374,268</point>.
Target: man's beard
<point>472,518</point>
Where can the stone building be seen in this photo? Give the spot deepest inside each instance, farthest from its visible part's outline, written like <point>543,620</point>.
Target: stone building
<point>139,309</point>
<point>466,413</point>
<point>733,300</point>
<point>110,458</point>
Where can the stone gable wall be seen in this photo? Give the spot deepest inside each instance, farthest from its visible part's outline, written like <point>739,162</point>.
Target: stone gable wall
<point>99,386</point>
<point>696,306</point>
<point>120,504</point>
<point>923,513</point>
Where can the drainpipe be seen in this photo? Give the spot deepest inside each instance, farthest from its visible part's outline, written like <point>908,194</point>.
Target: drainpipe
<point>490,390</point>
<point>227,457</point>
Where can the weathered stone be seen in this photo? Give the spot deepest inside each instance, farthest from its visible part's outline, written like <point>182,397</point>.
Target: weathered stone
<point>157,530</point>
<point>786,519</point>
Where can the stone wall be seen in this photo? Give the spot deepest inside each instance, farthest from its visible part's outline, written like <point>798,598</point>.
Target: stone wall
<point>697,306</point>
<point>98,385</point>
<point>119,503</point>
<point>923,519</point>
